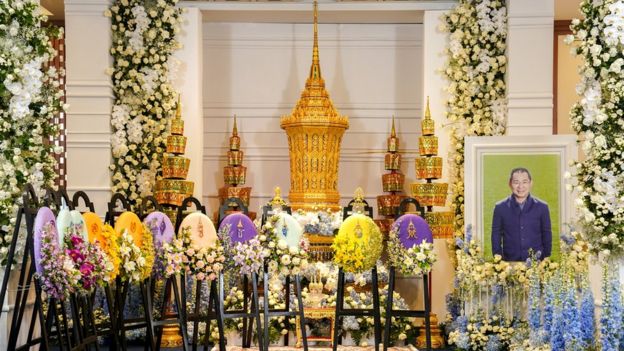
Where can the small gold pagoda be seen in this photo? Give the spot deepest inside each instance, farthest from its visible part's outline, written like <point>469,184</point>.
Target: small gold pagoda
<point>174,188</point>
<point>429,168</point>
<point>315,130</point>
<point>234,174</point>
<point>392,182</point>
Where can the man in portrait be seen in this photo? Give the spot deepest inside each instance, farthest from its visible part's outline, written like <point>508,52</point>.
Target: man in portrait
<point>521,222</point>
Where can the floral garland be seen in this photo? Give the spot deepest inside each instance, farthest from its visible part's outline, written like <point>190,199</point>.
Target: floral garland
<point>597,118</point>
<point>281,258</point>
<point>90,261</point>
<point>29,100</point>
<point>416,260</point>
<point>59,275</point>
<point>476,68</point>
<point>204,264</point>
<point>142,44</point>
<point>136,262</point>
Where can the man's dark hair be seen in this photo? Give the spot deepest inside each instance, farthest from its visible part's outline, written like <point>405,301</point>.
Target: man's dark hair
<point>519,170</point>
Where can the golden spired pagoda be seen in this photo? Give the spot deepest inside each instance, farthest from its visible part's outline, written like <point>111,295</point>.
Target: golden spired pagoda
<point>234,174</point>
<point>315,130</point>
<point>429,168</point>
<point>392,182</point>
<point>174,188</point>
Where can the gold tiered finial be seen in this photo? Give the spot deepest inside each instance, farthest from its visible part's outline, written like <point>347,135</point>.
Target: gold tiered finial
<point>393,132</point>
<point>235,129</point>
<point>315,69</point>
<point>235,139</point>
<point>428,125</point>
<point>315,130</point>
<point>179,108</point>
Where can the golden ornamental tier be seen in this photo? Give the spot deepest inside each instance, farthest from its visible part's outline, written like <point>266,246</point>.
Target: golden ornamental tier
<point>441,224</point>
<point>428,126</point>
<point>234,175</point>
<point>170,198</point>
<point>392,162</point>
<point>177,126</point>
<point>429,167</point>
<point>175,167</point>
<point>393,182</point>
<point>175,185</point>
<point>243,193</point>
<point>176,144</point>
<point>384,224</point>
<point>235,158</point>
<point>428,145</point>
<point>430,194</point>
<point>388,204</point>
<point>235,143</point>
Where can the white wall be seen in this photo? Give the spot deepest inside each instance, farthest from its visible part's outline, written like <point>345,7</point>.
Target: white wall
<point>257,71</point>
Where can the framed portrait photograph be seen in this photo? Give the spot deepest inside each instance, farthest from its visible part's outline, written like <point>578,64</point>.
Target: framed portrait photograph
<point>515,195</point>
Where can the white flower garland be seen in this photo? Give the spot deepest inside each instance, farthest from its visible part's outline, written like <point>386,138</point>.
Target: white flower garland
<point>29,100</point>
<point>143,41</point>
<point>476,70</point>
<point>598,118</point>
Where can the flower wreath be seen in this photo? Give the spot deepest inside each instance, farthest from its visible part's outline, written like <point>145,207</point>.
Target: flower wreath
<point>416,260</point>
<point>284,259</point>
<point>181,256</point>
<point>136,262</point>
<point>247,257</point>
<point>58,275</point>
<point>357,256</point>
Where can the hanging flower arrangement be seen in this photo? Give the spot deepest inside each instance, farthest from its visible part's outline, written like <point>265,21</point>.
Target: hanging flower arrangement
<point>58,275</point>
<point>30,98</point>
<point>476,66</point>
<point>597,118</point>
<point>143,39</point>
<point>136,260</point>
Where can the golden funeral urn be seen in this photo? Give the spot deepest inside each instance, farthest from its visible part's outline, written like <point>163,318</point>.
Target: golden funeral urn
<point>315,130</point>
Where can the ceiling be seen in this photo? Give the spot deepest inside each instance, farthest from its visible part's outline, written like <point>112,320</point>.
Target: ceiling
<point>564,9</point>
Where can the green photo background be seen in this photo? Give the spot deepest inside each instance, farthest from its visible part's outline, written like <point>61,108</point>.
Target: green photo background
<point>546,173</point>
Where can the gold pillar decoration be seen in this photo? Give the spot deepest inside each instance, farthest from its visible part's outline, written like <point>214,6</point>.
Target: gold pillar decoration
<point>315,130</point>
<point>429,168</point>
<point>392,183</point>
<point>437,339</point>
<point>170,192</point>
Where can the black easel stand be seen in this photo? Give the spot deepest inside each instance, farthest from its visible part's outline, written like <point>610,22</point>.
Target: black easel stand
<point>27,211</point>
<point>343,312</point>
<point>148,205</point>
<point>122,288</point>
<point>285,312</point>
<point>390,311</point>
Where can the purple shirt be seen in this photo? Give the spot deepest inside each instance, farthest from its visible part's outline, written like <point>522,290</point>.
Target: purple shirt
<point>516,230</point>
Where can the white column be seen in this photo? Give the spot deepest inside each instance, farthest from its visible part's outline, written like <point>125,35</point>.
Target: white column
<point>530,69</point>
<point>188,82</point>
<point>90,96</point>
<point>434,85</point>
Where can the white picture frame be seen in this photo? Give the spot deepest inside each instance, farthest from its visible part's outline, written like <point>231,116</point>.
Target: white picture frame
<point>477,150</point>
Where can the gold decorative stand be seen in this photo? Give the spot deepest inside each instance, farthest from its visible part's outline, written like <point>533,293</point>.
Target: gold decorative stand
<point>429,168</point>
<point>170,192</point>
<point>392,182</point>
<point>315,130</point>
<point>437,340</point>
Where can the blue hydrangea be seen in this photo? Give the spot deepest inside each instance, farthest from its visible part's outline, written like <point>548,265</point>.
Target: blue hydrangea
<point>493,343</point>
